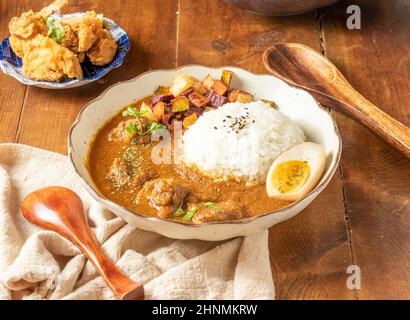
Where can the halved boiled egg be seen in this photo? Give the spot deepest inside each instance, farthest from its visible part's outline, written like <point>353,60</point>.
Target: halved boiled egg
<point>296,172</point>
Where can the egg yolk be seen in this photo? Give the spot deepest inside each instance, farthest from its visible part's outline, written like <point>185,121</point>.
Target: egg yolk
<point>288,176</point>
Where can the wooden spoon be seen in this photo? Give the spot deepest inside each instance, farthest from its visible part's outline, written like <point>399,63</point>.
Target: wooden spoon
<point>306,68</point>
<point>61,210</point>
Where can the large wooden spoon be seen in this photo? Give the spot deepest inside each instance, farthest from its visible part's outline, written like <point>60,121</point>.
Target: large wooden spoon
<point>306,68</point>
<point>61,210</point>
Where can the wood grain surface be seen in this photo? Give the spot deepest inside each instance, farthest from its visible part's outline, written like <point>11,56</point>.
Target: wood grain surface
<point>363,216</point>
<point>376,178</point>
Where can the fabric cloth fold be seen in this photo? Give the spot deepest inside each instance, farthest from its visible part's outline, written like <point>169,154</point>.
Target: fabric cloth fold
<point>39,264</point>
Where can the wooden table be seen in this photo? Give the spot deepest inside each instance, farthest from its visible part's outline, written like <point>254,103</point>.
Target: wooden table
<point>363,218</point>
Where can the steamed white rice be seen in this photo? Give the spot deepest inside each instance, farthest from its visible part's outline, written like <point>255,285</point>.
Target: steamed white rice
<point>239,141</point>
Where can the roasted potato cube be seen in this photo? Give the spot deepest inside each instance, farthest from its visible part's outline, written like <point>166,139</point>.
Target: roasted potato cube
<point>233,95</point>
<point>198,100</point>
<point>147,112</point>
<point>244,97</point>
<point>162,90</point>
<point>182,82</point>
<point>180,104</point>
<point>227,77</point>
<point>200,88</point>
<point>159,110</point>
<point>239,96</point>
<point>220,88</point>
<point>269,103</point>
<point>208,82</point>
<point>189,121</point>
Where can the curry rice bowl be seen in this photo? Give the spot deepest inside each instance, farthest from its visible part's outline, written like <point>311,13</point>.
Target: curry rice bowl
<point>239,141</point>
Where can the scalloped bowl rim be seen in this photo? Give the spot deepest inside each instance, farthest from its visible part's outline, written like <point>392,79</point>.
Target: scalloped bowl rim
<point>93,191</point>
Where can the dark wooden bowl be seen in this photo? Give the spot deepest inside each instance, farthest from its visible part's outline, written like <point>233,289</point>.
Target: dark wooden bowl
<point>280,7</point>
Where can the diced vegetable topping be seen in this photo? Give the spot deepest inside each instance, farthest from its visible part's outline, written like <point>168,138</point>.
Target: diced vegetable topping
<point>158,110</point>
<point>215,99</point>
<point>269,103</point>
<point>190,120</point>
<point>162,90</point>
<point>198,100</point>
<point>200,88</point>
<point>182,83</point>
<point>208,82</point>
<point>239,96</point>
<point>180,104</point>
<point>244,97</point>
<point>186,100</point>
<point>227,77</point>
<point>220,88</point>
<point>148,113</point>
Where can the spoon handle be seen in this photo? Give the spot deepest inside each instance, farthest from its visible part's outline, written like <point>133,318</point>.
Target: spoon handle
<point>305,68</point>
<point>386,127</point>
<point>62,211</point>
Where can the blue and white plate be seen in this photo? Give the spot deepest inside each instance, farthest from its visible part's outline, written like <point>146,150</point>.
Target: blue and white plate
<point>12,65</point>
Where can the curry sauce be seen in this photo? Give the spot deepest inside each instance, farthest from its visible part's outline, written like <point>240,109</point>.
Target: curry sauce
<point>204,200</point>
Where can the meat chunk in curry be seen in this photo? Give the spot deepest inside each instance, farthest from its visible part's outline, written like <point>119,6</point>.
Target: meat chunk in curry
<point>225,211</point>
<point>164,195</point>
<point>127,130</point>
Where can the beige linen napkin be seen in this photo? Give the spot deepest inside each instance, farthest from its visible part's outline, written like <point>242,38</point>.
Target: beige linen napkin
<point>38,264</point>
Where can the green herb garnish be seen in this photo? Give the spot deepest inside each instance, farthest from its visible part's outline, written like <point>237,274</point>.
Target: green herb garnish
<point>211,205</point>
<point>131,111</point>
<point>131,129</point>
<point>55,30</point>
<point>190,214</point>
<point>179,213</point>
<point>134,112</point>
<point>155,127</point>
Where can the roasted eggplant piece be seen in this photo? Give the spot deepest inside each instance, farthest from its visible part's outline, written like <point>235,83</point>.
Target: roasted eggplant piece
<point>166,98</point>
<point>198,100</point>
<point>215,99</point>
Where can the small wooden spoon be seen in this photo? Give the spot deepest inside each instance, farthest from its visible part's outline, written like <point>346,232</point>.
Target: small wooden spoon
<point>306,68</point>
<point>61,210</point>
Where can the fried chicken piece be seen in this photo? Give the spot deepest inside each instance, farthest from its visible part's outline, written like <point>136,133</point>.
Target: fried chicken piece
<point>86,38</point>
<point>56,6</point>
<point>18,45</point>
<point>104,51</point>
<point>45,59</point>
<point>70,39</point>
<point>87,29</point>
<point>31,23</point>
<point>28,25</point>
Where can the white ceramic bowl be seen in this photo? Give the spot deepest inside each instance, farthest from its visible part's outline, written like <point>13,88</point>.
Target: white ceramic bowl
<point>295,103</point>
